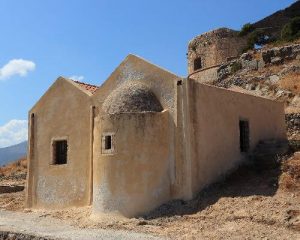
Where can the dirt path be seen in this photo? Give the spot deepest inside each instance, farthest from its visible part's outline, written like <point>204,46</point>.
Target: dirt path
<point>45,226</point>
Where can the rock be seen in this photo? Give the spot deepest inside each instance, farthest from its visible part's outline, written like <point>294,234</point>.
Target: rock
<point>274,78</point>
<point>261,64</point>
<point>20,236</point>
<point>248,86</point>
<point>142,223</point>
<point>258,87</point>
<point>297,122</point>
<point>223,71</point>
<point>246,56</point>
<point>277,60</point>
<point>293,121</point>
<point>279,93</point>
<point>297,155</point>
<point>267,55</point>
<point>277,55</point>
<point>290,69</point>
<point>286,52</point>
<point>252,64</point>
<point>296,49</point>
<point>265,90</point>
<point>293,218</point>
<point>296,100</point>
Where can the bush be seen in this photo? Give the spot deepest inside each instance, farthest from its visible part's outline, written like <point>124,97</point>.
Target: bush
<point>257,37</point>
<point>247,28</point>
<point>291,30</point>
<point>236,66</point>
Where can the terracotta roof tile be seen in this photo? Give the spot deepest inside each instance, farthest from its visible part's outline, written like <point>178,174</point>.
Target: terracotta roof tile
<point>91,88</point>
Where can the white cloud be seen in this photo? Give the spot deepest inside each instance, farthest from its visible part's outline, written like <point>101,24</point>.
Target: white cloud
<point>16,67</point>
<point>13,132</point>
<point>77,78</point>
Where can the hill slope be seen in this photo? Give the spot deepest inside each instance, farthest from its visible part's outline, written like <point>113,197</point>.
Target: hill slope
<point>274,23</point>
<point>12,153</point>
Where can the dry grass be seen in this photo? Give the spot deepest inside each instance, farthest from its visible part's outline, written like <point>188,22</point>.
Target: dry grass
<point>257,55</point>
<point>14,167</point>
<point>291,82</point>
<point>290,178</point>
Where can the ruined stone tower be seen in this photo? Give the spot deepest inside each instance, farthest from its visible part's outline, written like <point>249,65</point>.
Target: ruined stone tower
<point>213,48</point>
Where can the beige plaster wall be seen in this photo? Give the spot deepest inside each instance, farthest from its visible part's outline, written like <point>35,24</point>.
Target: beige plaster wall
<point>136,177</point>
<point>63,112</point>
<point>164,85</point>
<point>214,115</point>
<point>158,156</point>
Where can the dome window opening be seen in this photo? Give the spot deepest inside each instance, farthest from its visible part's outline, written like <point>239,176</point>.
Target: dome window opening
<point>108,146</point>
<point>107,142</point>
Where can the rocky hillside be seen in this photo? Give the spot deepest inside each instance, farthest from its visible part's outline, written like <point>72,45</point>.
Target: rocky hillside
<point>271,72</point>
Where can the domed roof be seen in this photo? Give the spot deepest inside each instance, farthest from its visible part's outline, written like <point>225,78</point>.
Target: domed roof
<point>132,97</point>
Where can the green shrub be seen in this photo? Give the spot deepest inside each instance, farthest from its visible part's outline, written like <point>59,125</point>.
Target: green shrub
<point>236,66</point>
<point>257,37</point>
<point>247,28</point>
<point>291,30</point>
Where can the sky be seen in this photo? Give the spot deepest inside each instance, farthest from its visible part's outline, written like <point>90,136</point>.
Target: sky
<point>87,40</point>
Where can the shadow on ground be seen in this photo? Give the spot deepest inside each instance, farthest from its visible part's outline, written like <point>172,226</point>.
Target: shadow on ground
<point>248,180</point>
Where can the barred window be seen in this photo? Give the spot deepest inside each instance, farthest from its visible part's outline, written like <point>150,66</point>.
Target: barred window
<point>60,152</point>
<point>244,136</point>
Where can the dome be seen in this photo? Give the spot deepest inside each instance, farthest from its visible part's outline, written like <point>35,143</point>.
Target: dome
<point>131,97</point>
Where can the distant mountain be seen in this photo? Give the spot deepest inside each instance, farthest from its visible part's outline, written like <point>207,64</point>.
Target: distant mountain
<point>12,153</point>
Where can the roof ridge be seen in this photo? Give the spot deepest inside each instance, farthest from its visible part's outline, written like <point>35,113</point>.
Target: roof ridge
<point>92,85</point>
<point>89,87</point>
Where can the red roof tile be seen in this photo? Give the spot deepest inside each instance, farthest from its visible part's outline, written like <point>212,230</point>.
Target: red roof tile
<point>91,88</point>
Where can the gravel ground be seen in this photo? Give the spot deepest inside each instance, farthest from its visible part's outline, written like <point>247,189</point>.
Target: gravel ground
<point>47,227</point>
<point>249,204</point>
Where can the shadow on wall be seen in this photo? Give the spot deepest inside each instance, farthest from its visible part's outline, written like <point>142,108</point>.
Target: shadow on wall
<point>247,180</point>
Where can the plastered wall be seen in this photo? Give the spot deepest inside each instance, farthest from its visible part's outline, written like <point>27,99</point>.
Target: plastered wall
<point>135,178</point>
<point>164,85</point>
<point>214,115</point>
<point>157,157</point>
<point>62,113</point>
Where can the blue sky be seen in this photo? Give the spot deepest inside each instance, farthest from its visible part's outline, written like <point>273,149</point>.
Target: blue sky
<point>41,40</point>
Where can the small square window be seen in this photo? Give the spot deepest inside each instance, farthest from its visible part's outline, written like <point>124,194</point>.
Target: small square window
<point>108,145</point>
<point>60,152</point>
